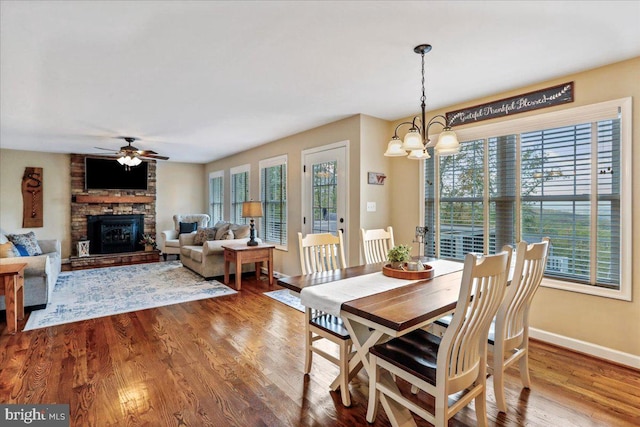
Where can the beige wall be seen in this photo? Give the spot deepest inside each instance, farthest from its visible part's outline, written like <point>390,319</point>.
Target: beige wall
<point>181,189</point>
<point>57,194</point>
<point>347,129</point>
<point>603,321</point>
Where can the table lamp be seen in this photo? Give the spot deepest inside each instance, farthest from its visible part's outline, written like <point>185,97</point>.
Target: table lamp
<point>252,210</point>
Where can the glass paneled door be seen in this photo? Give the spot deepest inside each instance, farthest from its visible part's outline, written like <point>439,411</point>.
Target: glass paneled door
<point>325,192</point>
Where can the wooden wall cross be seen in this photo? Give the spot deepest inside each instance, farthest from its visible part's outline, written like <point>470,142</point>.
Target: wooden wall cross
<point>32,209</point>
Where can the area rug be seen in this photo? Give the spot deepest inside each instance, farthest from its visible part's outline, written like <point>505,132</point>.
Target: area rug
<point>286,297</point>
<point>88,294</point>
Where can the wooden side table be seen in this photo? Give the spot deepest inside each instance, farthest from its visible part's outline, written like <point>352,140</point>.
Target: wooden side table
<point>240,253</point>
<point>13,290</point>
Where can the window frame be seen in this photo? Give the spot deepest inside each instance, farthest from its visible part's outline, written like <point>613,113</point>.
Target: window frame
<point>263,165</point>
<point>233,208</point>
<point>621,108</point>
<point>212,176</point>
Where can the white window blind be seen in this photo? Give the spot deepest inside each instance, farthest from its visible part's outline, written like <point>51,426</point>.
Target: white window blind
<point>216,196</point>
<point>239,193</point>
<point>273,184</point>
<point>566,182</point>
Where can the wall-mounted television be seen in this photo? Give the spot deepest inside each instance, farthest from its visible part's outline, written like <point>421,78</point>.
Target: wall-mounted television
<point>108,174</point>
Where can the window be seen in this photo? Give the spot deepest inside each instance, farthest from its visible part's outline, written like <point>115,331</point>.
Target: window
<point>273,189</point>
<point>216,196</point>
<point>565,175</point>
<point>239,193</point>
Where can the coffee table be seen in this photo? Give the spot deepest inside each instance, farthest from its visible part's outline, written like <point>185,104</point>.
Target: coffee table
<point>240,253</point>
<point>13,290</point>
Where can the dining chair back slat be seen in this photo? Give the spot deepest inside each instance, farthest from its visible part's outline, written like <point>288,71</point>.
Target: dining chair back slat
<point>321,252</point>
<point>375,244</point>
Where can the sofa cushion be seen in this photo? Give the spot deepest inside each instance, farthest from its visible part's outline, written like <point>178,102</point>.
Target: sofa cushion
<point>172,243</point>
<point>240,231</point>
<point>188,227</point>
<point>8,250</point>
<point>27,240</point>
<point>196,253</point>
<point>228,235</point>
<point>204,234</point>
<point>222,231</point>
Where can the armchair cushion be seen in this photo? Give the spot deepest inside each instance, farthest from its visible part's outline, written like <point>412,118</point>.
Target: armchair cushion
<point>27,240</point>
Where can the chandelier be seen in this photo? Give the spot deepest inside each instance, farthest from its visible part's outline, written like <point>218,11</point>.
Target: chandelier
<point>416,141</point>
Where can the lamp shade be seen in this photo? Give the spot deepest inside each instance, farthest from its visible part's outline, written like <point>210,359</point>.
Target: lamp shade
<point>394,149</point>
<point>412,141</point>
<point>419,154</point>
<point>447,143</point>
<point>252,209</point>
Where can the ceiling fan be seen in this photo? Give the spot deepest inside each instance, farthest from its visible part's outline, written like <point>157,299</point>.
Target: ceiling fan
<point>133,152</point>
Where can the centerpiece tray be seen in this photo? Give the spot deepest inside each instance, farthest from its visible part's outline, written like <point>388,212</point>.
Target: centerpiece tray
<point>427,273</point>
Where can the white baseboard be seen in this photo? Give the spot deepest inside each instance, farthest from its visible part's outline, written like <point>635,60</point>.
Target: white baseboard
<point>585,347</point>
<point>276,274</point>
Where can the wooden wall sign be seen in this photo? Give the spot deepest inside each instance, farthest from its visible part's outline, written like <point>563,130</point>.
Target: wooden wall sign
<point>548,97</point>
<point>32,209</point>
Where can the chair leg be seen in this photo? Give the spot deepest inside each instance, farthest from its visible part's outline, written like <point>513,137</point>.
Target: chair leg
<point>498,382</point>
<point>481,408</point>
<point>440,413</point>
<point>344,374</point>
<point>524,368</point>
<point>372,407</point>
<point>308,354</point>
<point>164,256</point>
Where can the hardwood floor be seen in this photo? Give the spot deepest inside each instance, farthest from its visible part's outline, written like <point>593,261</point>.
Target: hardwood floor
<point>238,360</point>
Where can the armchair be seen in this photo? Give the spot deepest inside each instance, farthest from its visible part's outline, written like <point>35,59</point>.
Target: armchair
<point>170,238</point>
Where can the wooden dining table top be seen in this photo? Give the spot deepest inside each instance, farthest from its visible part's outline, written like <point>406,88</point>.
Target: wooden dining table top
<point>397,309</point>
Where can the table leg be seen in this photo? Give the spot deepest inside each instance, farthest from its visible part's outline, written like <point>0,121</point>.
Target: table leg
<point>20,296</point>
<point>238,271</point>
<point>226,271</point>
<point>363,339</point>
<point>258,267</point>
<point>270,268</point>
<point>10,302</point>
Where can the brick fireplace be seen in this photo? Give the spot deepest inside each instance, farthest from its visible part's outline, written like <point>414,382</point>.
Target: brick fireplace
<point>107,203</point>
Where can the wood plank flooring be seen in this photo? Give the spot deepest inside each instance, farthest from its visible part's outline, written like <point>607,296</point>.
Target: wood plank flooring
<point>238,361</point>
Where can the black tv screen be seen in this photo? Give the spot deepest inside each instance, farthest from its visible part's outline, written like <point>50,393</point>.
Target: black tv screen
<point>108,174</point>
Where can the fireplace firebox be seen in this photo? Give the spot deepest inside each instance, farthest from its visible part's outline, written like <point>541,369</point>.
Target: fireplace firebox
<point>110,234</point>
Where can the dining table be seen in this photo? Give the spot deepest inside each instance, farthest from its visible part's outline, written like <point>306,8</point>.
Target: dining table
<point>376,308</point>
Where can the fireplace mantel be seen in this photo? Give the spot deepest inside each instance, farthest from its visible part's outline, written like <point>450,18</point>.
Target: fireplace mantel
<point>82,198</point>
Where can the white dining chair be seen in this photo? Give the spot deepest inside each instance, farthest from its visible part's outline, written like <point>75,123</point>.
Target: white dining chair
<point>375,244</point>
<point>510,341</point>
<point>448,365</point>
<point>324,252</point>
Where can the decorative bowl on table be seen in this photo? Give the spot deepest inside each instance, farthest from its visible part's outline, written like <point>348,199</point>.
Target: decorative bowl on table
<point>406,273</point>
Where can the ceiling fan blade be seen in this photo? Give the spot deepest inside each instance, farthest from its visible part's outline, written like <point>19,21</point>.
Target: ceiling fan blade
<point>146,152</point>
<point>154,156</point>
<point>106,149</point>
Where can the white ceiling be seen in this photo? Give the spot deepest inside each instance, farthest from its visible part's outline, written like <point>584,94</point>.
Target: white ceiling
<point>198,81</point>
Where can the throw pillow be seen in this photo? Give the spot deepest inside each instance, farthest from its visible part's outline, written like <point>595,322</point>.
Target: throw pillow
<point>228,235</point>
<point>22,250</point>
<point>28,240</point>
<point>221,231</point>
<point>219,224</point>
<point>204,234</point>
<point>8,250</point>
<point>188,227</point>
<point>240,231</point>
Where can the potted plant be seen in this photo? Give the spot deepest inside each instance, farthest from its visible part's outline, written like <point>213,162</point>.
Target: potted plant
<point>398,255</point>
<point>149,242</point>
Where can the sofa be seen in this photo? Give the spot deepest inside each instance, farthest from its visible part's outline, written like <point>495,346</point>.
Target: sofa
<point>170,242</point>
<point>207,258</point>
<point>40,275</point>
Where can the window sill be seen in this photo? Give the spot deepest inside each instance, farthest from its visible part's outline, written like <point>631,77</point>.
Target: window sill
<point>623,294</point>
